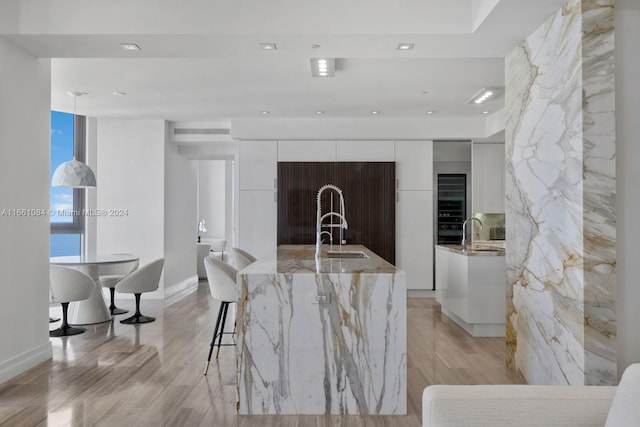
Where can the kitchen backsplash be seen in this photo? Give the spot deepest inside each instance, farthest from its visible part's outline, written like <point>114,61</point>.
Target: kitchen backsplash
<point>493,226</point>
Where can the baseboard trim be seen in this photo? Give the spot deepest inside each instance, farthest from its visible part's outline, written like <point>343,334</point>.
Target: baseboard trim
<point>180,289</point>
<point>495,330</point>
<point>25,361</point>
<point>420,293</point>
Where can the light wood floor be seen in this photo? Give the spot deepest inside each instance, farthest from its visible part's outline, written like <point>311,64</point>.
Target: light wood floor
<point>151,375</point>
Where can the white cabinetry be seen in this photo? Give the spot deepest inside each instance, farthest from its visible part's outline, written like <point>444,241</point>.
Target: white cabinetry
<point>257,201</point>
<point>365,151</point>
<point>487,174</point>
<point>414,212</point>
<point>258,165</point>
<point>414,238</point>
<point>258,219</point>
<point>471,290</point>
<point>306,151</point>
<point>414,165</point>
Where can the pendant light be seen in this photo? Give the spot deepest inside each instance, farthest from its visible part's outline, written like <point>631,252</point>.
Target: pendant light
<point>74,174</point>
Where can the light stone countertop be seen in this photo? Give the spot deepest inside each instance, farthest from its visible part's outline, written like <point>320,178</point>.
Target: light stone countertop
<point>473,250</point>
<point>300,259</point>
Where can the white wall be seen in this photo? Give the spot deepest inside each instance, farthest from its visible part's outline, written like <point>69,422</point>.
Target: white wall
<point>130,175</point>
<point>628,175</point>
<point>212,183</point>
<point>180,221</point>
<point>24,172</point>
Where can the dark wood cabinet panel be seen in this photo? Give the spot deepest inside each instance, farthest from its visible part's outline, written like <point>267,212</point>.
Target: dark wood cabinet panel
<point>369,194</point>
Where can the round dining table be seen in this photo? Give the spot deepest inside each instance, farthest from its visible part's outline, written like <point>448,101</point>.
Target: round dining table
<point>94,309</point>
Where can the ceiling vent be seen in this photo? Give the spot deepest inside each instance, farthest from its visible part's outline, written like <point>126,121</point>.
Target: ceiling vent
<point>201,131</point>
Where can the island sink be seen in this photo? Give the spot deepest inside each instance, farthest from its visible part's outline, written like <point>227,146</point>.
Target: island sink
<point>347,254</point>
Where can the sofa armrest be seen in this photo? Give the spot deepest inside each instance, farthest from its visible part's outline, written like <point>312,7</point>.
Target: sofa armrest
<point>515,405</point>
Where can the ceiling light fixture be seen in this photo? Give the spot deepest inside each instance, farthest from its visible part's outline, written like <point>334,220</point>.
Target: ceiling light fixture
<point>265,112</point>
<point>319,112</point>
<point>375,112</point>
<point>118,93</point>
<point>431,112</point>
<point>130,46</point>
<point>486,112</point>
<point>405,46</point>
<point>315,46</point>
<point>73,174</point>
<point>323,67</point>
<point>484,94</point>
<point>268,46</point>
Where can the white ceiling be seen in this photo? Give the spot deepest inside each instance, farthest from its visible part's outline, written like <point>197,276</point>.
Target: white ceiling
<point>201,59</point>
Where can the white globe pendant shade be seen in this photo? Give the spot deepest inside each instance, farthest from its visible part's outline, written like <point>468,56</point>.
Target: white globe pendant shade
<point>73,174</point>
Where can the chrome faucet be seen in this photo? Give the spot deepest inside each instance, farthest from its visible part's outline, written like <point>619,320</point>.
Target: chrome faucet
<point>319,217</point>
<point>464,231</point>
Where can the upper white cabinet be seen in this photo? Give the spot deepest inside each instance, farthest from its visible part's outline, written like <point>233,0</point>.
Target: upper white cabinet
<point>306,151</point>
<point>365,151</point>
<point>258,165</point>
<point>487,174</point>
<point>414,165</point>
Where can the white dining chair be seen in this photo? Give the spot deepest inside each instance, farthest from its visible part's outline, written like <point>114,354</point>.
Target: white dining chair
<point>222,286</point>
<point>116,272</point>
<point>144,279</point>
<point>67,285</point>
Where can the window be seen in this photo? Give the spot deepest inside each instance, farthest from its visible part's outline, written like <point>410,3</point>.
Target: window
<point>66,204</point>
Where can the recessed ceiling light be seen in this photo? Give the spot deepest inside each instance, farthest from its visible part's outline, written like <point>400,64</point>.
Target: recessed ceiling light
<point>265,112</point>
<point>319,112</point>
<point>323,67</point>
<point>130,46</point>
<point>431,112</point>
<point>375,112</point>
<point>486,112</point>
<point>405,46</point>
<point>484,94</point>
<point>268,46</point>
<point>118,93</point>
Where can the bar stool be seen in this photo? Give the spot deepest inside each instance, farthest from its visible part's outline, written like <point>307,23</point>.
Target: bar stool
<point>222,285</point>
<point>241,259</point>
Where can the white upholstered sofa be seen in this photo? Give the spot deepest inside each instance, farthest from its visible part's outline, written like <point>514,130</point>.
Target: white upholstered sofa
<point>529,405</point>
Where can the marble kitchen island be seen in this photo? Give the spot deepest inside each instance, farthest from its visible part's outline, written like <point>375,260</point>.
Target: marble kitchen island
<point>326,337</point>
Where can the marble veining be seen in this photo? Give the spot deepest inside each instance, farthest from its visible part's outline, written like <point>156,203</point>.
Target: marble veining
<point>560,193</point>
<point>345,354</point>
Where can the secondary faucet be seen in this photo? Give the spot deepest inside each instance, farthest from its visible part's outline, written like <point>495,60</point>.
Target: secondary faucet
<point>328,234</point>
<point>319,217</point>
<point>464,231</point>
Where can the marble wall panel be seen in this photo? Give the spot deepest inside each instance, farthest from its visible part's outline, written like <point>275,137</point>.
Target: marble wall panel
<point>560,193</point>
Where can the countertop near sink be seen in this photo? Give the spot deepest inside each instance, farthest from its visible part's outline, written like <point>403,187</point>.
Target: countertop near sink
<point>300,259</point>
<point>479,250</point>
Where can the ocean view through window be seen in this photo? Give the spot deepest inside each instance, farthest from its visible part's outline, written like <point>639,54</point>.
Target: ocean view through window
<point>66,231</point>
